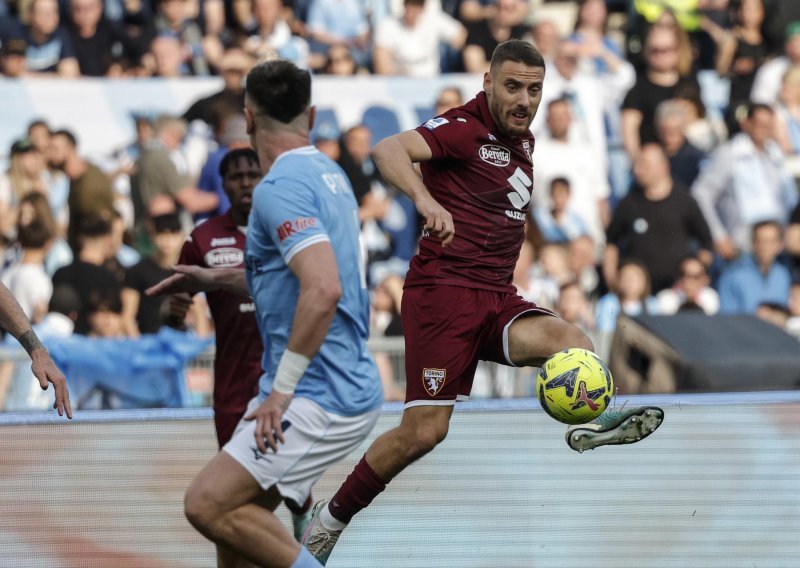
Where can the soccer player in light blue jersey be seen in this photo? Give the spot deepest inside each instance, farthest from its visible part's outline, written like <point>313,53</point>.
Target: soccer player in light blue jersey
<point>320,394</point>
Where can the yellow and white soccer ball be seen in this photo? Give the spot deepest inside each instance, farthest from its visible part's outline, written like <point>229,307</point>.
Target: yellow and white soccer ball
<point>574,386</point>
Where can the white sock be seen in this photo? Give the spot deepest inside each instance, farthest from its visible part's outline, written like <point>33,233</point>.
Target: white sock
<point>329,521</point>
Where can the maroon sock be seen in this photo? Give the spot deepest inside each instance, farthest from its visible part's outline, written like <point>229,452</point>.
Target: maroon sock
<point>357,492</point>
<point>299,509</point>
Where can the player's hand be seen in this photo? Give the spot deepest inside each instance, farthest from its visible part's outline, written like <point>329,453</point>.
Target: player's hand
<point>178,306</point>
<point>268,421</point>
<point>187,278</point>
<point>46,371</point>
<point>437,219</point>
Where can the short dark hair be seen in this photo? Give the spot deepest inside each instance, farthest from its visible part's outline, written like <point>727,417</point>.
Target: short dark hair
<point>279,89</point>
<point>68,135</point>
<point>234,156</point>
<point>753,108</point>
<point>64,300</point>
<point>94,226</point>
<point>34,235</point>
<point>104,301</point>
<point>767,223</point>
<point>562,181</point>
<point>518,51</point>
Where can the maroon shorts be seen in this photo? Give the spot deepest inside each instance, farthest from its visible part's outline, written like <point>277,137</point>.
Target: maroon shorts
<point>448,329</point>
<point>225,424</point>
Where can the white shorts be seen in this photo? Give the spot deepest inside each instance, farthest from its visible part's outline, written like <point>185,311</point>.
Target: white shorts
<point>315,440</point>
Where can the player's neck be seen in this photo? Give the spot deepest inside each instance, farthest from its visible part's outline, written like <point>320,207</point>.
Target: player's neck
<point>270,145</point>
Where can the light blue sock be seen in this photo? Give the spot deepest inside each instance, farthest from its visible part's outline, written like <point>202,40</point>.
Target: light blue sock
<point>305,560</point>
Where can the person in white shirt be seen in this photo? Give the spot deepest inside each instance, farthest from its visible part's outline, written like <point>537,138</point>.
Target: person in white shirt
<point>692,287</point>
<point>767,84</point>
<point>27,280</point>
<point>410,45</point>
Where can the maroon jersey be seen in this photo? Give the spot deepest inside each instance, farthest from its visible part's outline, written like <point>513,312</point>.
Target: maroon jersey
<point>218,243</point>
<point>484,179</point>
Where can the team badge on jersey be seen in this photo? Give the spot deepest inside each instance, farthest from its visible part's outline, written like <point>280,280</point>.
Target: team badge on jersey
<point>495,155</point>
<point>433,380</point>
<point>526,147</point>
<point>435,123</point>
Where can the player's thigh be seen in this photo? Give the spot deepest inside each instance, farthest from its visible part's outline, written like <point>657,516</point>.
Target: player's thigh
<point>442,327</point>
<point>533,337</point>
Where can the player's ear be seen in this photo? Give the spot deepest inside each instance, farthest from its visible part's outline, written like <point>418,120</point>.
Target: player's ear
<point>312,117</point>
<point>487,81</point>
<point>250,121</point>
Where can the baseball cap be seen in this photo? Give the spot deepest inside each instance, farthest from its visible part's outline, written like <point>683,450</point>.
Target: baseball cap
<point>14,46</point>
<point>22,145</point>
<point>326,131</point>
<point>793,29</point>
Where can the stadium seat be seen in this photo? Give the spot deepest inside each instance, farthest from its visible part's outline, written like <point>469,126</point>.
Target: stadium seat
<point>382,122</point>
<point>324,116</point>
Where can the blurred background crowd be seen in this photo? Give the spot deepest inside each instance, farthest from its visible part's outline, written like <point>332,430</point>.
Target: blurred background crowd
<point>646,200</point>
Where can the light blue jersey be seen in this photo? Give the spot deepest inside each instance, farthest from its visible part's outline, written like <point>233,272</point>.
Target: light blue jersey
<point>307,199</point>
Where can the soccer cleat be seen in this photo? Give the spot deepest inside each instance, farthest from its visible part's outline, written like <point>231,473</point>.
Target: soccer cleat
<point>300,524</point>
<point>615,427</point>
<point>317,539</point>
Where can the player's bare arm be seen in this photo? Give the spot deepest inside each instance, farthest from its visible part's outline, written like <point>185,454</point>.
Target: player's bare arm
<point>320,290</point>
<point>193,279</point>
<point>15,322</point>
<point>395,157</point>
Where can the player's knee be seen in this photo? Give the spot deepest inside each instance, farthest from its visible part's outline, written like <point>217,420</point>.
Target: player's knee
<point>197,509</point>
<point>426,437</point>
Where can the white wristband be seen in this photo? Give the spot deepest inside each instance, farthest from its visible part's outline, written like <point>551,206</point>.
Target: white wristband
<point>290,370</point>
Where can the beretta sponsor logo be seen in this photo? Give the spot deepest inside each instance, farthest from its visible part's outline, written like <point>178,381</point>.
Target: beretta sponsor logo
<point>495,155</point>
<point>224,257</point>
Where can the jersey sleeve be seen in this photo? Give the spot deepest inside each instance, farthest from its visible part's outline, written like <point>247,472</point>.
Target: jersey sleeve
<point>290,214</point>
<point>190,254</point>
<point>449,136</point>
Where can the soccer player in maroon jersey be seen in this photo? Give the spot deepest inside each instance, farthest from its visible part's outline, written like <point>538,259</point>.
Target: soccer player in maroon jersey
<point>219,243</point>
<point>459,305</point>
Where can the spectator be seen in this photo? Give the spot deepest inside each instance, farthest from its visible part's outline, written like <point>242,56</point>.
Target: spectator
<point>582,255</point>
<point>141,313</point>
<point>559,156</point>
<point>545,36</point>
<point>580,89</point>
<point>591,34</point>
<point>386,300</point>
<point>165,59</point>
<point>691,287</point>
<point>756,278</point>
<point>559,223</point>
<point>273,37</point>
<point>745,182</point>
<point>702,130</point>
<point>174,18</point>
<point>767,82</point>
<point>50,49</point>
<point>339,23</point>
<point>484,35</point>
<point>39,133</point>
<point>26,173</point>
<point>13,63</point>
<point>339,61</point>
<point>90,191</point>
<point>531,281</point>
<point>787,114</point>
<point>234,135</point>
<point>230,100</point>
<point>685,159</point>
<point>655,224</point>
<point>631,296</point>
<point>776,314</point>
<point>86,275</point>
<point>157,175</point>
<point>122,255</point>
<point>27,281</point>
<point>740,53</point>
<point>34,207</point>
<point>659,82</point>
<point>409,45</point>
<point>778,13</point>
<point>104,317</point>
<point>97,40</point>
<point>56,181</point>
<point>449,97</point>
<point>574,307</point>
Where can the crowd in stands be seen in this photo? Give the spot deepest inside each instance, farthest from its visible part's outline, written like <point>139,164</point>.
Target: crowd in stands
<point>645,201</point>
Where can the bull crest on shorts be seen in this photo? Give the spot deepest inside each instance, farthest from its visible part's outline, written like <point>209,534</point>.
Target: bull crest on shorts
<point>433,380</point>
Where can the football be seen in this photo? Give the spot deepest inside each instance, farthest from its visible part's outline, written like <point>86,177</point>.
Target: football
<point>574,386</point>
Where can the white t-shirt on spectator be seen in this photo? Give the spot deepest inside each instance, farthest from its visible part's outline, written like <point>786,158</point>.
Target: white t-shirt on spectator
<point>768,80</point>
<point>30,285</point>
<point>415,51</point>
